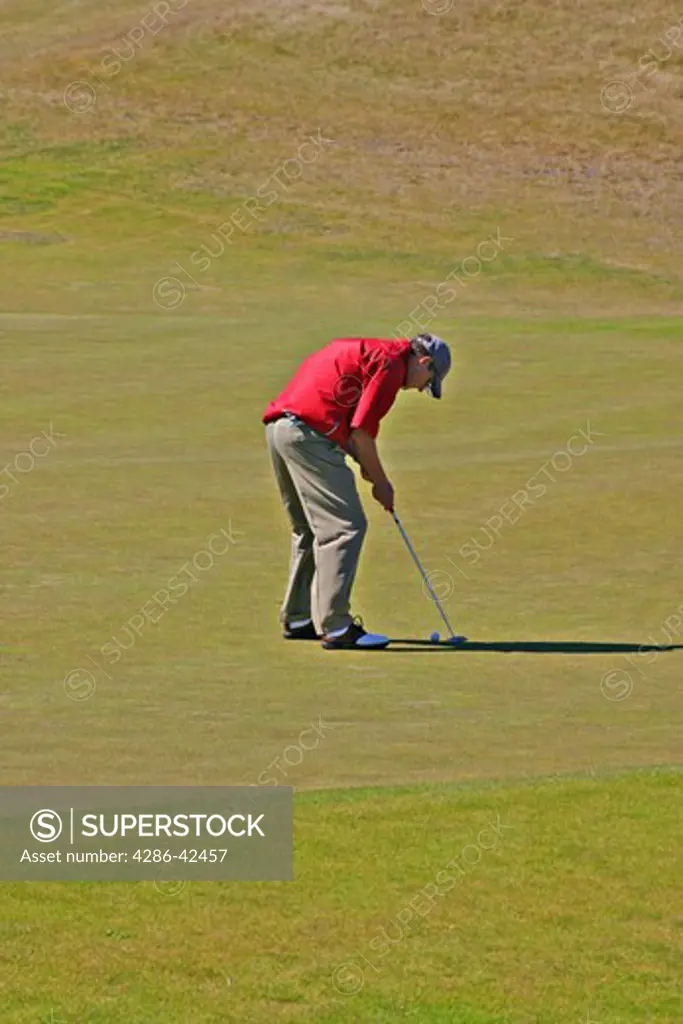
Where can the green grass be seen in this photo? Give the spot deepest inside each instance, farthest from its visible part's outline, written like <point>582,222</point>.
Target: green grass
<point>447,129</point>
<point>163,446</point>
<point>493,905</point>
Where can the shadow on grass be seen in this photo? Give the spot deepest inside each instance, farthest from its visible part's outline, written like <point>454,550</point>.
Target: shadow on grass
<point>530,647</point>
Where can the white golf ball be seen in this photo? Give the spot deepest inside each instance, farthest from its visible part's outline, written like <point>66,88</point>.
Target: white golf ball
<point>435,638</point>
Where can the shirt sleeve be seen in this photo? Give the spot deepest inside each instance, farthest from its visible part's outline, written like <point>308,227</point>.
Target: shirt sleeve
<point>378,396</point>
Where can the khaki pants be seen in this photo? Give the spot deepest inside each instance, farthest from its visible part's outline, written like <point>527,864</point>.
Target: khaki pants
<point>328,523</point>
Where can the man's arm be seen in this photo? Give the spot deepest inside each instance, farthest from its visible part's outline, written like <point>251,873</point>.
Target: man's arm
<point>376,399</point>
<point>363,448</point>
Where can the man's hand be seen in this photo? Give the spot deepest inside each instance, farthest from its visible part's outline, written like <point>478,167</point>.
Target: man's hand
<point>383,492</point>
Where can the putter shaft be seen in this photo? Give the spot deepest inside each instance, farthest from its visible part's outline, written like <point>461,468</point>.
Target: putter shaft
<point>428,584</point>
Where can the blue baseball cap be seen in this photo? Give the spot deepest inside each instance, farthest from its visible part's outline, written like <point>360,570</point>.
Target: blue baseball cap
<point>440,355</point>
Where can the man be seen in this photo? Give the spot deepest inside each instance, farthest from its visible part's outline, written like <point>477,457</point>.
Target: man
<point>332,407</point>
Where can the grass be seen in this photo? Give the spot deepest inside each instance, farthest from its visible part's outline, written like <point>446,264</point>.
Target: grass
<point>361,935</point>
<point>125,499</point>
<point>447,129</point>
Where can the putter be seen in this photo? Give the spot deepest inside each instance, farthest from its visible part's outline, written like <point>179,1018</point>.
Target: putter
<point>454,638</point>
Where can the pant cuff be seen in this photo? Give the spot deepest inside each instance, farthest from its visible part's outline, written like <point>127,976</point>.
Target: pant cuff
<point>337,624</point>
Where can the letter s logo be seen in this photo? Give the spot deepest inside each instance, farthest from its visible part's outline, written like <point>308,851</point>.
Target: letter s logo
<point>46,826</point>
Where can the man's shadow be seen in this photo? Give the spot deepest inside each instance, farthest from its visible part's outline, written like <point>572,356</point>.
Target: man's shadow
<point>529,646</point>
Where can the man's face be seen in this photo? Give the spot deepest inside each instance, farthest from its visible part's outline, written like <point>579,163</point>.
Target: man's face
<point>420,372</point>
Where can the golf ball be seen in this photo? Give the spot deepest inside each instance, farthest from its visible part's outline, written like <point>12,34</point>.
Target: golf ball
<point>435,638</point>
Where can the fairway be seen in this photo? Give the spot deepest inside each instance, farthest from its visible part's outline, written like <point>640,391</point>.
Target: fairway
<point>487,834</point>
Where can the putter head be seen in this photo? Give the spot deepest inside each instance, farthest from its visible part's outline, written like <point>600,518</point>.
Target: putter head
<point>455,641</point>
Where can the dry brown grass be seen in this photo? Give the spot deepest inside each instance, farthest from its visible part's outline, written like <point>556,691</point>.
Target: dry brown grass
<point>443,125</point>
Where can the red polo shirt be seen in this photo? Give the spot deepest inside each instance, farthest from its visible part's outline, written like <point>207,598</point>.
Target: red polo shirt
<point>348,385</point>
